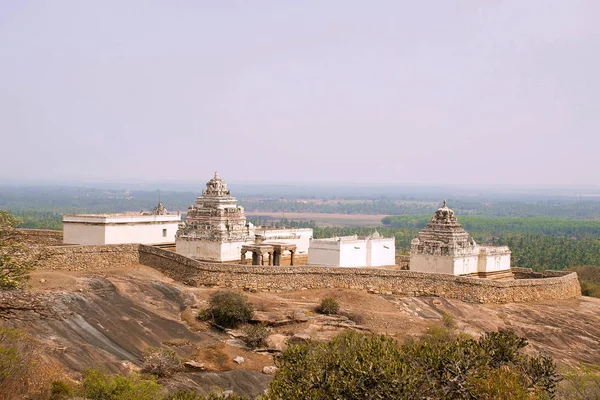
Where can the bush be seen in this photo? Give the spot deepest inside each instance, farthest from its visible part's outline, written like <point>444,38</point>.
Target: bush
<point>160,361</point>
<point>98,385</point>
<point>328,306</point>
<point>227,309</point>
<point>356,366</point>
<point>185,394</point>
<point>255,335</point>
<point>60,390</point>
<point>351,366</point>
<point>355,317</point>
<point>19,363</point>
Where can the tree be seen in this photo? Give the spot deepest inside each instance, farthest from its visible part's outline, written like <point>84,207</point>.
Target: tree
<point>16,259</point>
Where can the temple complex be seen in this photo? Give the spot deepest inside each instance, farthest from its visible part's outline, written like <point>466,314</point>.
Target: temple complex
<point>215,229</point>
<point>444,247</point>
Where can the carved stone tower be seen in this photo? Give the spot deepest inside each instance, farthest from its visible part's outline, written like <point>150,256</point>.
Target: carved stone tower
<point>444,247</point>
<point>215,227</point>
<point>443,235</point>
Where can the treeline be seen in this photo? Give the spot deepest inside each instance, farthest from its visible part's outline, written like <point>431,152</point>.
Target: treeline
<point>542,252</point>
<point>39,219</point>
<point>565,209</point>
<point>488,228</point>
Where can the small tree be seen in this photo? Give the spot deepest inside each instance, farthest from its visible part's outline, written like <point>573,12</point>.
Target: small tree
<point>227,309</point>
<point>160,361</point>
<point>16,259</point>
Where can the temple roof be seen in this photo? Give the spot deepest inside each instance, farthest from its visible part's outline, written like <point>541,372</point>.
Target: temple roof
<point>443,231</point>
<point>216,187</point>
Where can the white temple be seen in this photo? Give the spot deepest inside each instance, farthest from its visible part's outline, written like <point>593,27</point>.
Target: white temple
<point>444,247</point>
<point>216,230</point>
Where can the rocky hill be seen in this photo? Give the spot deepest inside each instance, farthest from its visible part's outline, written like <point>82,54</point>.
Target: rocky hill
<point>88,320</point>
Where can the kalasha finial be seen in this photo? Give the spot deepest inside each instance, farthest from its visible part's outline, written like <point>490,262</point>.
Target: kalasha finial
<point>216,175</point>
<point>445,204</point>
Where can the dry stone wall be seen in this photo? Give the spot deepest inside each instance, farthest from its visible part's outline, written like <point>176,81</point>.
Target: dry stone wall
<point>560,285</point>
<point>529,287</point>
<point>89,258</point>
<point>41,237</point>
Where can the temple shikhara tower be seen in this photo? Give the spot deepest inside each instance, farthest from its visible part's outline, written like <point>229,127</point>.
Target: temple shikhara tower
<point>215,226</point>
<point>444,247</point>
<point>215,229</point>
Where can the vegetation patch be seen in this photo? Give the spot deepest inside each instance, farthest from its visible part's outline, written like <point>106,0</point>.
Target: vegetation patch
<point>328,306</point>
<point>227,309</point>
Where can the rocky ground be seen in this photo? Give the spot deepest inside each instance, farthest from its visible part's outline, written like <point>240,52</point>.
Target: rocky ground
<point>89,320</point>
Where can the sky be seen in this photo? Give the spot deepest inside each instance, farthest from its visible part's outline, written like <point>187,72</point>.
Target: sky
<point>392,92</point>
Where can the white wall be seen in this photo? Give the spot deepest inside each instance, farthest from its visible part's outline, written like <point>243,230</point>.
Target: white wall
<point>76,233</point>
<point>382,252</point>
<point>119,228</point>
<point>432,264</point>
<point>146,233</point>
<point>209,251</point>
<point>494,259</point>
<point>353,253</point>
<point>322,253</point>
<point>466,264</point>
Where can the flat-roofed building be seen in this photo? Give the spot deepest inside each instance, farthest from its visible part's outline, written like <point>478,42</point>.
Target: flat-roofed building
<point>353,251</point>
<point>156,227</point>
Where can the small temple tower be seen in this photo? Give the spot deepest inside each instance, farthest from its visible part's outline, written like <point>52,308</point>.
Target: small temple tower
<point>444,247</point>
<point>215,227</point>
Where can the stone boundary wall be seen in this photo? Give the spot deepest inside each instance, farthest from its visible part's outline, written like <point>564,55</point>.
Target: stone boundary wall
<point>41,237</point>
<point>529,287</point>
<point>557,284</point>
<point>89,258</point>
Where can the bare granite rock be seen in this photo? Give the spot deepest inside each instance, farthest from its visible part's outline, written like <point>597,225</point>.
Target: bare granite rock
<point>239,360</point>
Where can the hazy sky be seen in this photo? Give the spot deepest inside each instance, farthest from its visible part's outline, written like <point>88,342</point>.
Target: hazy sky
<point>303,91</point>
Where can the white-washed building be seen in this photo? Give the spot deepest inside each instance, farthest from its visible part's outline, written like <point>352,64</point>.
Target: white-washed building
<point>353,251</point>
<point>156,227</point>
<point>444,247</point>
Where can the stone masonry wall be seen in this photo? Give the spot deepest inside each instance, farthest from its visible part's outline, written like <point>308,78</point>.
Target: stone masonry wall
<point>531,285</point>
<point>561,285</point>
<point>41,237</point>
<point>89,258</point>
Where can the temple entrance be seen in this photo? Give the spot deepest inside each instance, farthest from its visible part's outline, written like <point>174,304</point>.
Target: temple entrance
<point>268,253</point>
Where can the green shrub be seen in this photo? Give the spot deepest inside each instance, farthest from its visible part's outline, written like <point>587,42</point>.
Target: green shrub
<point>359,366</point>
<point>502,347</point>
<point>185,394</point>
<point>60,390</point>
<point>255,335</point>
<point>351,366</point>
<point>160,361</point>
<point>328,306</point>
<point>98,385</point>
<point>227,309</point>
